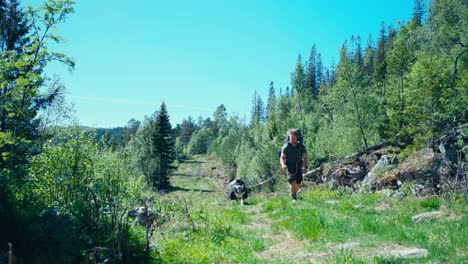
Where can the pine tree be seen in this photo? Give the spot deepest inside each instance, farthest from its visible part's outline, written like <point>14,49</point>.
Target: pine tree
<point>310,77</point>
<point>380,64</point>
<point>332,72</point>
<point>298,77</point>
<point>319,74</point>
<point>368,62</point>
<point>260,110</point>
<point>257,112</point>
<point>358,58</point>
<point>271,104</point>
<point>13,26</point>
<point>163,148</point>
<point>418,12</point>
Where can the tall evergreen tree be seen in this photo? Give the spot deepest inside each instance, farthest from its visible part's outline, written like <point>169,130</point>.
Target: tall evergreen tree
<point>319,74</point>
<point>300,93</point>
<point>163,148</point>
<point>418,12</point>
<point>271,104</point>
<point>257,112</point>
<point>380,64</point>
<point>310,77</point>
<point>358,58</point>
<point>332,71</point>
<point>368,62</point>
<point>14,26</point>
<point>260,110</point>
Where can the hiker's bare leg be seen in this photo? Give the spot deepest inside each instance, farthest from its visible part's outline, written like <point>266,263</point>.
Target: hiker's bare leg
<point>294,188</point>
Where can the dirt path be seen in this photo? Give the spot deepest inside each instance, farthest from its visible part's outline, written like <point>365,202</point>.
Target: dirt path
<point>206,176</point>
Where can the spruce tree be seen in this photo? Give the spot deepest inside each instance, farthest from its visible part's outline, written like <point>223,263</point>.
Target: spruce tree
<point>368,61</point>
<point>319,74</point>
<point>14,26</point>
<point>163,148</point>
<point>358,58</point>
<point>257,112</point>
<point>418,12</point>
<point>271,102</point>
<point>310,77</point>
<point>380,64</point>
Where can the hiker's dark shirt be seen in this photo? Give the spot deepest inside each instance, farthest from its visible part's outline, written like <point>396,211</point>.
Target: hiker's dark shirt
<point>294,156</point>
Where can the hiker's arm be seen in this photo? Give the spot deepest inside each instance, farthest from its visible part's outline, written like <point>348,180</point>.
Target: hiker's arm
<point>282,159</point>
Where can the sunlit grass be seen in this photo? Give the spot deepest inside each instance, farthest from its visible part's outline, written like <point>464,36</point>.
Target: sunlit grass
<point>207,228</point>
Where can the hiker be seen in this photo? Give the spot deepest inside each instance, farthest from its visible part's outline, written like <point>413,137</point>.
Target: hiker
<point>293,160</point>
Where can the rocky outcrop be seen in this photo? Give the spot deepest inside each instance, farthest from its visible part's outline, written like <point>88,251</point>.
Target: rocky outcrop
<point>428,169</point>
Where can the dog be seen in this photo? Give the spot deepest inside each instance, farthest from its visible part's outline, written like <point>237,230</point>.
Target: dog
<point>238,190</point>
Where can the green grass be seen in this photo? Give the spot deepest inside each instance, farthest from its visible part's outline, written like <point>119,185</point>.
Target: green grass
<point>206,228</point>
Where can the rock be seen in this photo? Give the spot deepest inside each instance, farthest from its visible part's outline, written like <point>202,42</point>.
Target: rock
<point>420,168</point>
<point>409,253</point>
<point>367,184</point>
<point>314,174</point>
<point>381,164</point>
<point>388,181</point>
<point>424,216</point>
<point>345,245</point>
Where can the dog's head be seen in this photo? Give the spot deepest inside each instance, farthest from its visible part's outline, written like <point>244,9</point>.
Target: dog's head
<point>239,185</point>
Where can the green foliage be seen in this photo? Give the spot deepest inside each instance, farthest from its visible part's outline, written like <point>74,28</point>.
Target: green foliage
<point>346,256</point>
<point>162,149</point>
<point>433,203</point>
<point>140,151</point>
<point>200,141</point>
<point>389,260</point>
<point>179,150</point>
<point>24,54</point>
<point>88,185</point>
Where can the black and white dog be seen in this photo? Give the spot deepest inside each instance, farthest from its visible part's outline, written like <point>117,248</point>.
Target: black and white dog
<point>238,190</point>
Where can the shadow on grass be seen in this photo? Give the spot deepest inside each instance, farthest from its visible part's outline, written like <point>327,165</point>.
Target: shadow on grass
<point>193,161</point>
<point>182,174</point>
<point>176,188</point>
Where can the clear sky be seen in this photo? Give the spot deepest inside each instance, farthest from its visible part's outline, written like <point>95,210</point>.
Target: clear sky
<point>195,55</point>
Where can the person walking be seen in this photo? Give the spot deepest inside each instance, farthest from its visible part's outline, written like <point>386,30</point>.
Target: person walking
<point>293,160</point>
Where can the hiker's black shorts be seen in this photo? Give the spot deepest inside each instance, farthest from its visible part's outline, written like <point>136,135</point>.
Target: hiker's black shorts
<point>295,177</point>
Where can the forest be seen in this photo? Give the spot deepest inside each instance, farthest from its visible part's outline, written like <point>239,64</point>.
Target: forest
<point>66,191</point>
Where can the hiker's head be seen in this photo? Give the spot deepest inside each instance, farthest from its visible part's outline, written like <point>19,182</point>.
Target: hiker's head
<point>292,136</point>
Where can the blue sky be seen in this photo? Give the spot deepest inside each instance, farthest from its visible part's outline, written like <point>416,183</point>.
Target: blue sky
<point>195,55</point>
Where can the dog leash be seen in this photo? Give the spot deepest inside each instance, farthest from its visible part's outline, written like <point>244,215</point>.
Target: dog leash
<point>265,181</point>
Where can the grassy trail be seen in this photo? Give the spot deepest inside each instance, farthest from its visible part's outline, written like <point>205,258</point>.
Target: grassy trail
<point>321,227</point>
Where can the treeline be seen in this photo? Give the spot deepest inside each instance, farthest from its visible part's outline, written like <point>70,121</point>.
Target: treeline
<point>404,89</point>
